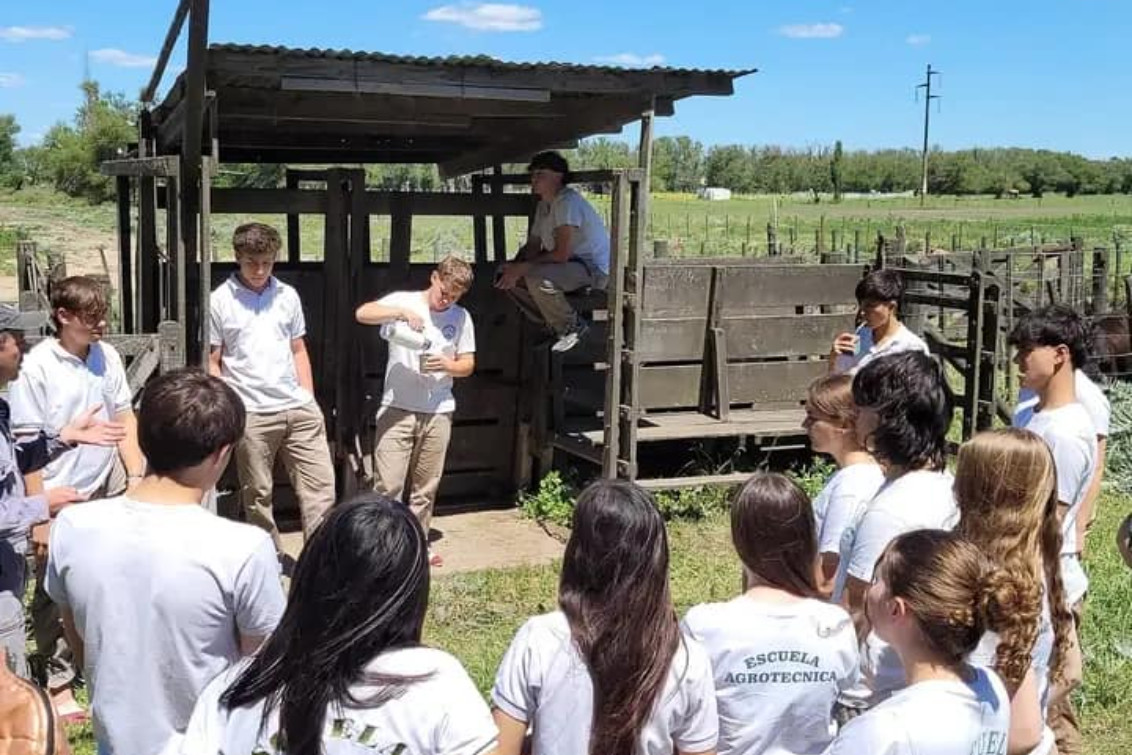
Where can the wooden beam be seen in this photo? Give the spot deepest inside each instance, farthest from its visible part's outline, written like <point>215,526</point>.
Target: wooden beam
<point>268,201</point>
<point>125,256</point>
<point>300,156</point>
<point>445,90</point>
<point>190,178</point>
<point>159,167</point>
<point>171,36</point>
<point>446,203</point>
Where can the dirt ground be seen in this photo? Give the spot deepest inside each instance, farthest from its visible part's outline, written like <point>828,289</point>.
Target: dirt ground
<point>479,540</point>
<point>79,241</point>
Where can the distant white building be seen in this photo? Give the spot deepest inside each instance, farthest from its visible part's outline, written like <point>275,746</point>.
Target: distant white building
<point>715,194</point>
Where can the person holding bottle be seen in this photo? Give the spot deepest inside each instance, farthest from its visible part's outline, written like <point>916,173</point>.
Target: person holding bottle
<point>431,342</point>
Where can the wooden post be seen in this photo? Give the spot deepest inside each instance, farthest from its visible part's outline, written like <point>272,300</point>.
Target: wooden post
<point>615,294</point>
<point>294,233</point>
<point>148,274</point>
<point>644,162</point>
<point>205,289</point>
<point>190,178</point>
<point>1100,280</point>
<point>125,257</point>
<point>479,224</point>
<point>660,249</point>
<point>401,238</point>
<point>498,222</point>
<point>821,235</point>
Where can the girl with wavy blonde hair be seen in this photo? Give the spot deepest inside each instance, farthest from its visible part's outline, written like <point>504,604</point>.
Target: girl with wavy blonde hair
<point>1005,485</point>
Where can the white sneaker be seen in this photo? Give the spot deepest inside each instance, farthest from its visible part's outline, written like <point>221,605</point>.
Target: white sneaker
<point>571,339</point>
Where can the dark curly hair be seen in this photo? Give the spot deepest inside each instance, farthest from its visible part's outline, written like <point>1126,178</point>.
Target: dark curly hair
<point>881,285</point>
<point>913,403</point>
<point>1054,325</point>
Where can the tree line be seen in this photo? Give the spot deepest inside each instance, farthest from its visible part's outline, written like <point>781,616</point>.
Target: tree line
<point>105,124</point>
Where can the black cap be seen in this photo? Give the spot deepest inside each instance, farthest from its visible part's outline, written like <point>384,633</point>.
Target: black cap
<point>13,319</point>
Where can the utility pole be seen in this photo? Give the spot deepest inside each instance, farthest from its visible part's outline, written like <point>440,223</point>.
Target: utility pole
<point>928,97</point>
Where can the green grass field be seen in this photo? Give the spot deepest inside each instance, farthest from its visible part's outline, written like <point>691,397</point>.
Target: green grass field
<point>475,615</point>
<point>696,227</point>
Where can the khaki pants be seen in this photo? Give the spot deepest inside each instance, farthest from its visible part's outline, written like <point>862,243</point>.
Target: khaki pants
<point>541,294</point>
<point>410,448</point>
<point>1062,716</point>
<point>300,435</point>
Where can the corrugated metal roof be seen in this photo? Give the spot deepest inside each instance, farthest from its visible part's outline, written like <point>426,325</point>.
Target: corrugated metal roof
<point>464,61</point>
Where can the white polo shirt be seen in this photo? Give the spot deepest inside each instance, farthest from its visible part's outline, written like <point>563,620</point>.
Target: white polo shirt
<point>589,242</point>
<point>53,389</point>
<point>868,349</point>
<point>254,331</point>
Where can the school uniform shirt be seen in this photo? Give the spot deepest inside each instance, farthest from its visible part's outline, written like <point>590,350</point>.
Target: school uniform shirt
<point>160,596</point>
<point>842,500</point>
<point>55,387</point>
<point>449,332</point>
<point>936,717</point>
<point>543,681</point>
<point>778,669</point>
<point>1089,395</point>
<point>589,241</point>
<point>1041,656</point>
<point>441,714</point>
<point>1072,439</point>
<point>914,501</point>
<point>867,349</point>
<point>254,330</point>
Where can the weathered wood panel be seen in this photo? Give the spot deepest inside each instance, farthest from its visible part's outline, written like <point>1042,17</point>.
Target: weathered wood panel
<point>746,289</point>
<point>777,383</point>
<point>795,335</point>
<point>675,291</point>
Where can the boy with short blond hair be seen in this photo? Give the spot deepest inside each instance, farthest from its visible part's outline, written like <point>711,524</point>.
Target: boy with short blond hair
<point>258,348</point>
<point>414,423</point>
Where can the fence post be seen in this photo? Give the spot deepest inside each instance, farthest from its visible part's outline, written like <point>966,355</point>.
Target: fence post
<point>660,248</point>
<point>1100,280</point>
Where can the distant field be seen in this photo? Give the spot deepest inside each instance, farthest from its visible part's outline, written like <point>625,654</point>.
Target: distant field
<point>692,227</point>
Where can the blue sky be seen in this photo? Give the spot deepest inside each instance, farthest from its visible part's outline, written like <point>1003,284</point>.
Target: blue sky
<point>1043,73</point>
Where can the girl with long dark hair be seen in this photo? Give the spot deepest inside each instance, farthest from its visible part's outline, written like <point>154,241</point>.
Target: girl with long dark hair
<point>345,669</point>
<point>780,653</point>
<point>934,597</point>
<point>609,673</point>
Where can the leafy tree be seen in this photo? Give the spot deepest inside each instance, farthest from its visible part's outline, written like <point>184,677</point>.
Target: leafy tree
<point>103,126</point>
<point>10,174</point>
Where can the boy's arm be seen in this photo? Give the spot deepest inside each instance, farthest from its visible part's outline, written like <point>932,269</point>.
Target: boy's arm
<point>376,313</point>
<point>1089,505</point>
<point>129,449</point>
<point>214,360</point>
<point>302,364</point>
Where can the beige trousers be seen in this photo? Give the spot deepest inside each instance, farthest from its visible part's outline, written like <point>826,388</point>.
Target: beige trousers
<point>298,434</point>
<point>541,294</point>
<point>409,451</point>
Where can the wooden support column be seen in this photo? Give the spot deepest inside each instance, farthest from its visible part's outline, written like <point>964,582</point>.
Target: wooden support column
<point>189,281</point>
<point>498,221</point>
<point>294,243</point>
<point>644,162</point>
<point>205,276</point>
<point>350,399</point>
<point>148,284</point>
<point>173,291</point>
<point>125,257</point>
<point>611,446</point>
<point>401,238</point>
<point>479,223</point>
<point>335,282</point>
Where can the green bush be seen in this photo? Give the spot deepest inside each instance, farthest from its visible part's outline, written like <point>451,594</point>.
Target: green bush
<point>553,502</point>
<point>1118,454</point>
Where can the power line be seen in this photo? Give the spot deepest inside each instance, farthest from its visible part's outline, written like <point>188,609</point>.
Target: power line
<point>927,87</point>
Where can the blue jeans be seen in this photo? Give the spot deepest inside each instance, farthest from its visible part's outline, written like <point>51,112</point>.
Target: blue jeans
<point>13,581</point>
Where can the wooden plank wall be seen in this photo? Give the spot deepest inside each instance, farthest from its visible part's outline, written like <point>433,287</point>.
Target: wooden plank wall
<point>481,454</point>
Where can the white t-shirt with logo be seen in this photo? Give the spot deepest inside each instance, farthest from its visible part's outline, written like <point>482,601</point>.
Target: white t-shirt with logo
<point>842,500</point>
<point>160,595</point>
<point>449,332</point>
<point>543,681</point>
<point>937,717</point>
<point>914,501</point>
<point>867,349</point>
<point>254,331</point>
<point>778,668</point>
<point>589,242</point>
<point>1072,439</point>
<point>55,387</point>
<point>442,714</point>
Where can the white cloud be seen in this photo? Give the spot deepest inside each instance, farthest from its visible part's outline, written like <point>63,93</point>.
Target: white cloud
<point>811,31</point>
<point>631,60</point>
<point>9,80</point>
<point>918,40</point>
<point>488,16</point>
<point>122,59</point>
<point>24,33</point>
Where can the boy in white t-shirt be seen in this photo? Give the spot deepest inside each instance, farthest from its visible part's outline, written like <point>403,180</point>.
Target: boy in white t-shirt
<point>1051,345</point>
<point>567,250</point>
<point>414,423</point>
<point>159,595</point>
<point>880,295</point>
<point>916,495</point>
<point>61,378</point>
<point>257,345</point>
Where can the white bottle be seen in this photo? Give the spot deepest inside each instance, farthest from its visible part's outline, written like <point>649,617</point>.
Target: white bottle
<point>401,334</point>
